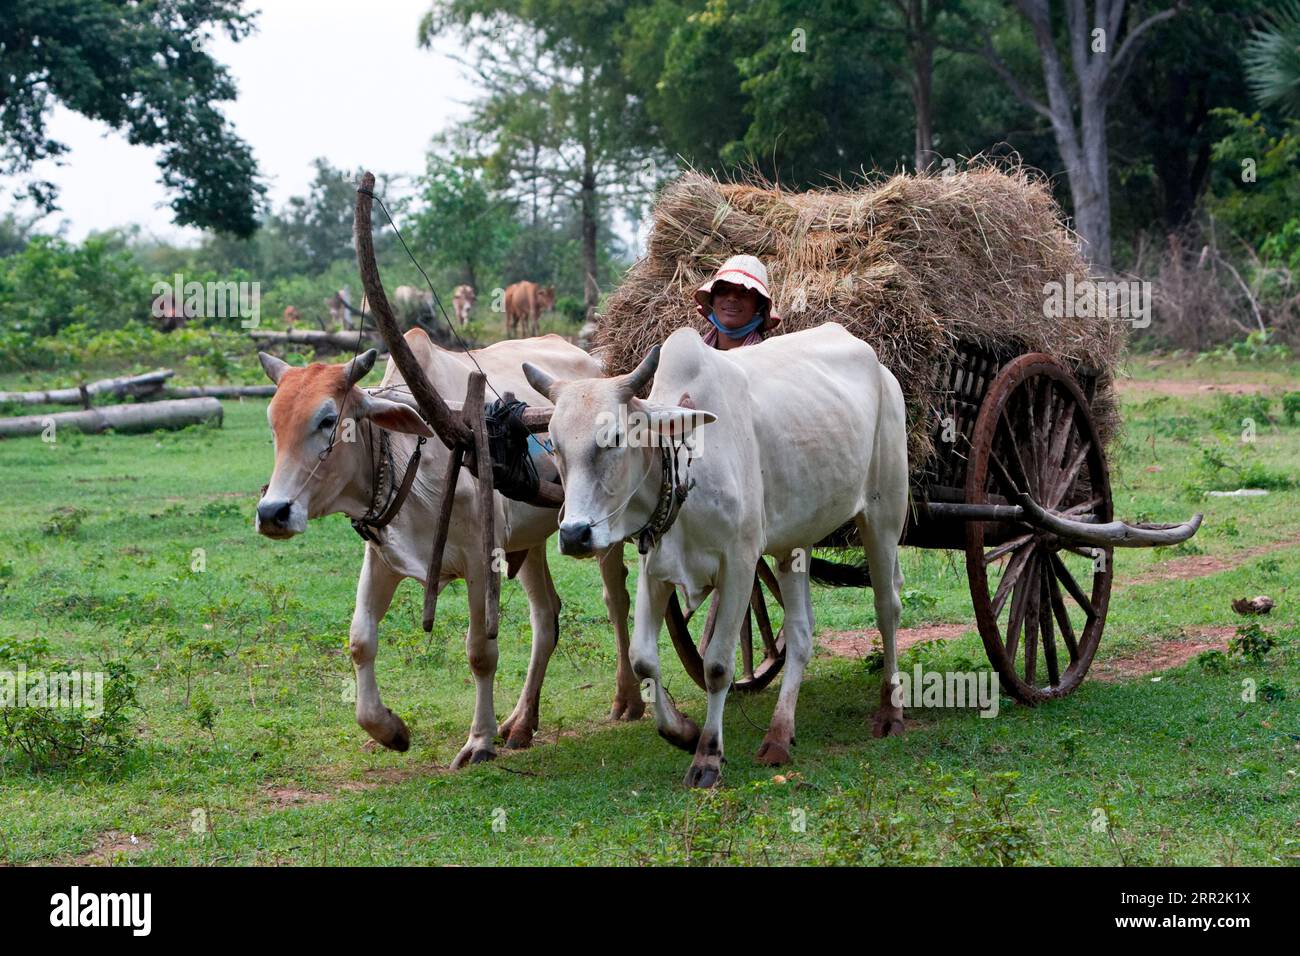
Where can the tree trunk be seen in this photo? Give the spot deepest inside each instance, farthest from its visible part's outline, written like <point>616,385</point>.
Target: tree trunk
<point>591,293</point>
<point>135,385</point>
<point>343,341</point>
<point>123,418</point>
<point>220,391</point>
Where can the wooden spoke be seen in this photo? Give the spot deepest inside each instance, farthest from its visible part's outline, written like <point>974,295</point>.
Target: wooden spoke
<point>759,608</point>
<point>1062,618</point>
<point>1045,628</point>
<point>1033,589</point>
<point>1015,567</point>
<point>1066,578</point>
<point>747,646</point>
<point>1019,600</point>
<point>1005,549</point>
<point>1066,480</point>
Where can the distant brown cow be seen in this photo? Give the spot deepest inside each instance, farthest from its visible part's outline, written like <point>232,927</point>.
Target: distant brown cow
<point>525,303</point>
<point>291,317</point>
<point>462,302</point>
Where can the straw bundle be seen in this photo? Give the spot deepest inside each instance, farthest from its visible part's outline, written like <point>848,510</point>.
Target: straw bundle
<point>912,265</point>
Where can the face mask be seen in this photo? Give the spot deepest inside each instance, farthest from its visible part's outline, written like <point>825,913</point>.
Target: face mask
<point>741,332</point>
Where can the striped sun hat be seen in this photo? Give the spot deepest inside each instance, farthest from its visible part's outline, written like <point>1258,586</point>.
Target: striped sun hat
<point>747,271</point>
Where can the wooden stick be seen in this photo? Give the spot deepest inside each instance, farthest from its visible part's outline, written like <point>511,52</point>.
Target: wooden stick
<point>440,536</point>
<point>484,500</point>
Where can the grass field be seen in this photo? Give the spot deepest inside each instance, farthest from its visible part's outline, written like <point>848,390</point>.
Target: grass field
<point>246,750</point>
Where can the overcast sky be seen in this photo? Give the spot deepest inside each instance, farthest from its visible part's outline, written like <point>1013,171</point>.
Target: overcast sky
<point>342,79</point>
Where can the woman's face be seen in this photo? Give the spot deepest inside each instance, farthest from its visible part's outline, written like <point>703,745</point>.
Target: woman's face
<point>734,305</point>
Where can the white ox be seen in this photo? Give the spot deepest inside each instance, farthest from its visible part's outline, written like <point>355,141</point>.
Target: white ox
<point>811,434</point>
<point>315,476</point>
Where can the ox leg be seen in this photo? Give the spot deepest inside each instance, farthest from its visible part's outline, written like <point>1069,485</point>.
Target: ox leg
<point>798,628</point>
<point>736,583</point>
<point>544,615</point>
<point>651,602</point>
<point>481,649</point>
<point>628,704</point>
<point>375,591</point>
<point>881,548</point>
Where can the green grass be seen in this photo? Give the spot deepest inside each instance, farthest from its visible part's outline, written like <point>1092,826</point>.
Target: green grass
<point>100,536</point>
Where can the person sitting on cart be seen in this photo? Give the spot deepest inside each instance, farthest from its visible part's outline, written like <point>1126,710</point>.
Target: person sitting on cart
<point>737,303</point>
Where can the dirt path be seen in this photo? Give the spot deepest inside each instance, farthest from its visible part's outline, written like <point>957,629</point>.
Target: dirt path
<point>1189,388</point>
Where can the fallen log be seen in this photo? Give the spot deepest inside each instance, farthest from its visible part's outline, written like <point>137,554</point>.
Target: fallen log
<point>219,391</point>
<point>343,341</point>
<point>146,416</point>
<point>133,385</point>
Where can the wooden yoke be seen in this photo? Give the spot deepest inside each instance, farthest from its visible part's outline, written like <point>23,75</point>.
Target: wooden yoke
<point>464,432</point>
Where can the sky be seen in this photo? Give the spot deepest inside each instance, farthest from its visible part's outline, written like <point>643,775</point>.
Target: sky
<point>343,79</point>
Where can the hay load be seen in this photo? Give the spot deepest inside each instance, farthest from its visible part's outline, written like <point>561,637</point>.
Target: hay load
<point>913,265</point>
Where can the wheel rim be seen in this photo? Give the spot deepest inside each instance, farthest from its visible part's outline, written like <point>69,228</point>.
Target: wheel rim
<point>1040,622</point>
<point>753,672</point>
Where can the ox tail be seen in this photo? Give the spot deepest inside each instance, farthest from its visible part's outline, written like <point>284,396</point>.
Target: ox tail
<point>849,573</point>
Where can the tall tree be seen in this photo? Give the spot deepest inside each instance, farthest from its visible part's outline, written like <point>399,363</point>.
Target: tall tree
<point>1102,51</point>
<point>556,99</point>
<point>139,67</point>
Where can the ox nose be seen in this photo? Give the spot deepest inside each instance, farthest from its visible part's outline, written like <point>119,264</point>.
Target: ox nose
<point>274,513</point>
<point>575,538</point>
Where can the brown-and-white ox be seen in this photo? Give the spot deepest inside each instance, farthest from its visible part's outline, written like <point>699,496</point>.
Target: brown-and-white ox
<point>810,433</point>
<point>318,473</point>
<point>463,298</point>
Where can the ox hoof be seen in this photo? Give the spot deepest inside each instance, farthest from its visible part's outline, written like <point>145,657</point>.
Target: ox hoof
<point>520,738</point>
<point>773,753</point>
<point>684,734</point>
<point>390,731</point>
<point>888,722</point>
<point>629,708</point>
<point>471,754</point>
<point>703,776</point>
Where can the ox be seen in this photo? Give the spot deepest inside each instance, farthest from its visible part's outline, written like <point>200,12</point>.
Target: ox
<point>462,303</point>
<point>319,473</point>
<point>812,435</point>
<point>525,303</point>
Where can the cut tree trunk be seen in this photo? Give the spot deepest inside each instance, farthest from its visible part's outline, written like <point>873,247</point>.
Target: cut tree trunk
<point>343,341</point>
<point>220,391</point>
<point>124,418</point>
<point>137,385</point>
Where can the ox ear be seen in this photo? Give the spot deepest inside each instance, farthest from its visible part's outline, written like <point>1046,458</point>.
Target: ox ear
<point>395,417</point>
<point>676,421</point>
<point>273,367</point>
<point>542,382</point>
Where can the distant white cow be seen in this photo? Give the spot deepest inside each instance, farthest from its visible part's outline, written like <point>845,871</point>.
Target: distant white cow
<point>462,301</point>
<point>811,434</point>
<point>320,472</point>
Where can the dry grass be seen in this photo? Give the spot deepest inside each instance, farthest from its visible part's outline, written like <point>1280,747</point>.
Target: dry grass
<point>912,265</point>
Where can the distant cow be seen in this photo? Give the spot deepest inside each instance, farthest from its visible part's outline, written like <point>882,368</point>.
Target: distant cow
<point>525,303</point>
<point>341,310</point>
<point>462,302</point>
<point>412,303</point>
<point>291,317</point>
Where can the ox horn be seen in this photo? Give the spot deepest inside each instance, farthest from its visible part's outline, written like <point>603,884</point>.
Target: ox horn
<point>632,383</point>
<point>273,367</point>
<point>360,366</point>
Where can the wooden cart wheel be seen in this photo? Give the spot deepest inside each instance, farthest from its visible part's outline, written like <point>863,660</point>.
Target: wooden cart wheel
<point>1035,428</point>
<point>749,677</point>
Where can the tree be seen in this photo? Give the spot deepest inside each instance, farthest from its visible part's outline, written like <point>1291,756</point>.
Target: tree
<point>1273,59</point>
<point>1100,61</point>
<point>557,100</point>
<point>459,223</point>
<point>139,67</point>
